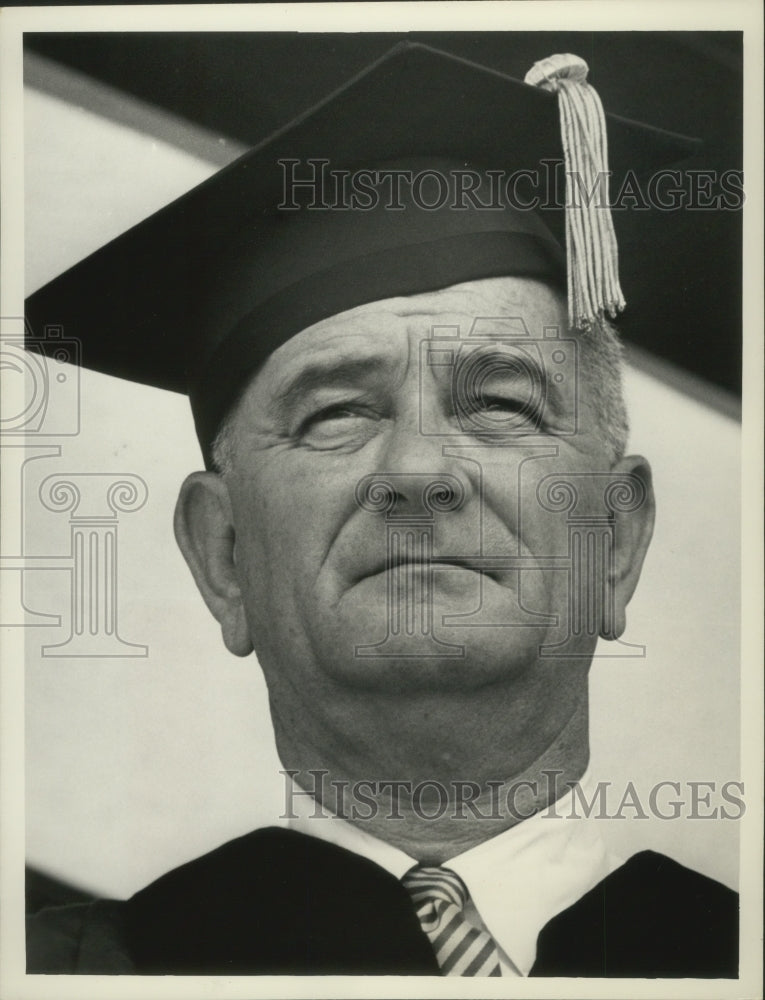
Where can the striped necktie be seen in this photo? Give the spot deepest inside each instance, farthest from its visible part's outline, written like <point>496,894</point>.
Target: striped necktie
<point>439,896</point>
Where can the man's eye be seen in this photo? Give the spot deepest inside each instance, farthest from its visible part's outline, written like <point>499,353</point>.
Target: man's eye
<point>329,415</point>
<point>336,425</point>
<point>512,409</point>
<point>493,414</point>
<point>501,404</point>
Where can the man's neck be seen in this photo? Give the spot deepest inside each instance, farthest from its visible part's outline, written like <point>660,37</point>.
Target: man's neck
<point>438,802</point>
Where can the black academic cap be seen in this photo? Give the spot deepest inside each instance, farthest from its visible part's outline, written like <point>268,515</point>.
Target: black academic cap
<point>196,296</point>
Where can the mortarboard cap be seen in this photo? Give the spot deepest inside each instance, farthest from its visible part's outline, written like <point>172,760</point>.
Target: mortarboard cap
<point>423,171</point>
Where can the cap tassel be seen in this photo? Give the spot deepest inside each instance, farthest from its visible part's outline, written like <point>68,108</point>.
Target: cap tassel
<point>591,251</point>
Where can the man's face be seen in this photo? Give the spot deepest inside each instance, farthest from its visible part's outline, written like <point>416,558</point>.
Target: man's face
<point>337,591</point>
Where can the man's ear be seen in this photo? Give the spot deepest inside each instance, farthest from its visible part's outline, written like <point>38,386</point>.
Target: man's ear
<point>633,529</point>
<point>204,530</point>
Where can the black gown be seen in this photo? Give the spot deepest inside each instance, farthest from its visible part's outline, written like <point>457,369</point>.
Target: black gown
<point>282,903</point>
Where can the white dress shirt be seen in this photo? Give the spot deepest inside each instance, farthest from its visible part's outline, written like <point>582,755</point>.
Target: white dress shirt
<point>518,880</point>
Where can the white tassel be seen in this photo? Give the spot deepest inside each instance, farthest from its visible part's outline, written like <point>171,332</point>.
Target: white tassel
<point>591,251</point>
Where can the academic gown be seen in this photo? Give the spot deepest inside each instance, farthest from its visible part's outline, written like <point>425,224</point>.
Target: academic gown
<point>281,903</point>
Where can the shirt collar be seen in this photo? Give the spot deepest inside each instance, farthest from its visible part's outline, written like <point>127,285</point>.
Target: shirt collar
<point>312,818</point>
<point>518,880</point>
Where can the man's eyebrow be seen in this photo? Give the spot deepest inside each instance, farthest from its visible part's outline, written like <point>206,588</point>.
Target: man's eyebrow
<point>486,354</point>
<point>325,373</point>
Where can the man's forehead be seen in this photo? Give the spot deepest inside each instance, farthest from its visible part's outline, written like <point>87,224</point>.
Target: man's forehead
<point>488,305</point>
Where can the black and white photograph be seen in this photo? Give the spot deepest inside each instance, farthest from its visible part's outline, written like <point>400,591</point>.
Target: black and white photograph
<point>381,539</point>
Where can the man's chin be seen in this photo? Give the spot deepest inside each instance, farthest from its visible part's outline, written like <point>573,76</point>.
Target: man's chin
<point>403,671</point>
<point>371,648</point>
<point>464,636</point>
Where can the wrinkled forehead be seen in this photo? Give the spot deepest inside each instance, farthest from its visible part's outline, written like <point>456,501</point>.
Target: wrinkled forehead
<point>503,309</point>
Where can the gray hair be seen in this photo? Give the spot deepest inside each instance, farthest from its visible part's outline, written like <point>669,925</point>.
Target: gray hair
<point>222,450</point>
<point>601,363</point>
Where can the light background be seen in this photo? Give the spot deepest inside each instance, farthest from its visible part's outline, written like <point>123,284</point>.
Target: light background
<point>136,765</point>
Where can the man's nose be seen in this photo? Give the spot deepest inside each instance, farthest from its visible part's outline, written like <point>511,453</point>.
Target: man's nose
<point>410,496</point>
<point>415,476</point>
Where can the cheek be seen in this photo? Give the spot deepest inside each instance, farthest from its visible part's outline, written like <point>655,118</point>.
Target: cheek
<point>528,496</point>
<point>512,510</point>
<point>286,515</point>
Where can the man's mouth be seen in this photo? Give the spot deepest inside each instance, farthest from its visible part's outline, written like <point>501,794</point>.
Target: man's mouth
<point>436,563</point>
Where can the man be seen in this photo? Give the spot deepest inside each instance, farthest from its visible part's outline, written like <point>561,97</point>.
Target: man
<point>418,511</point>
